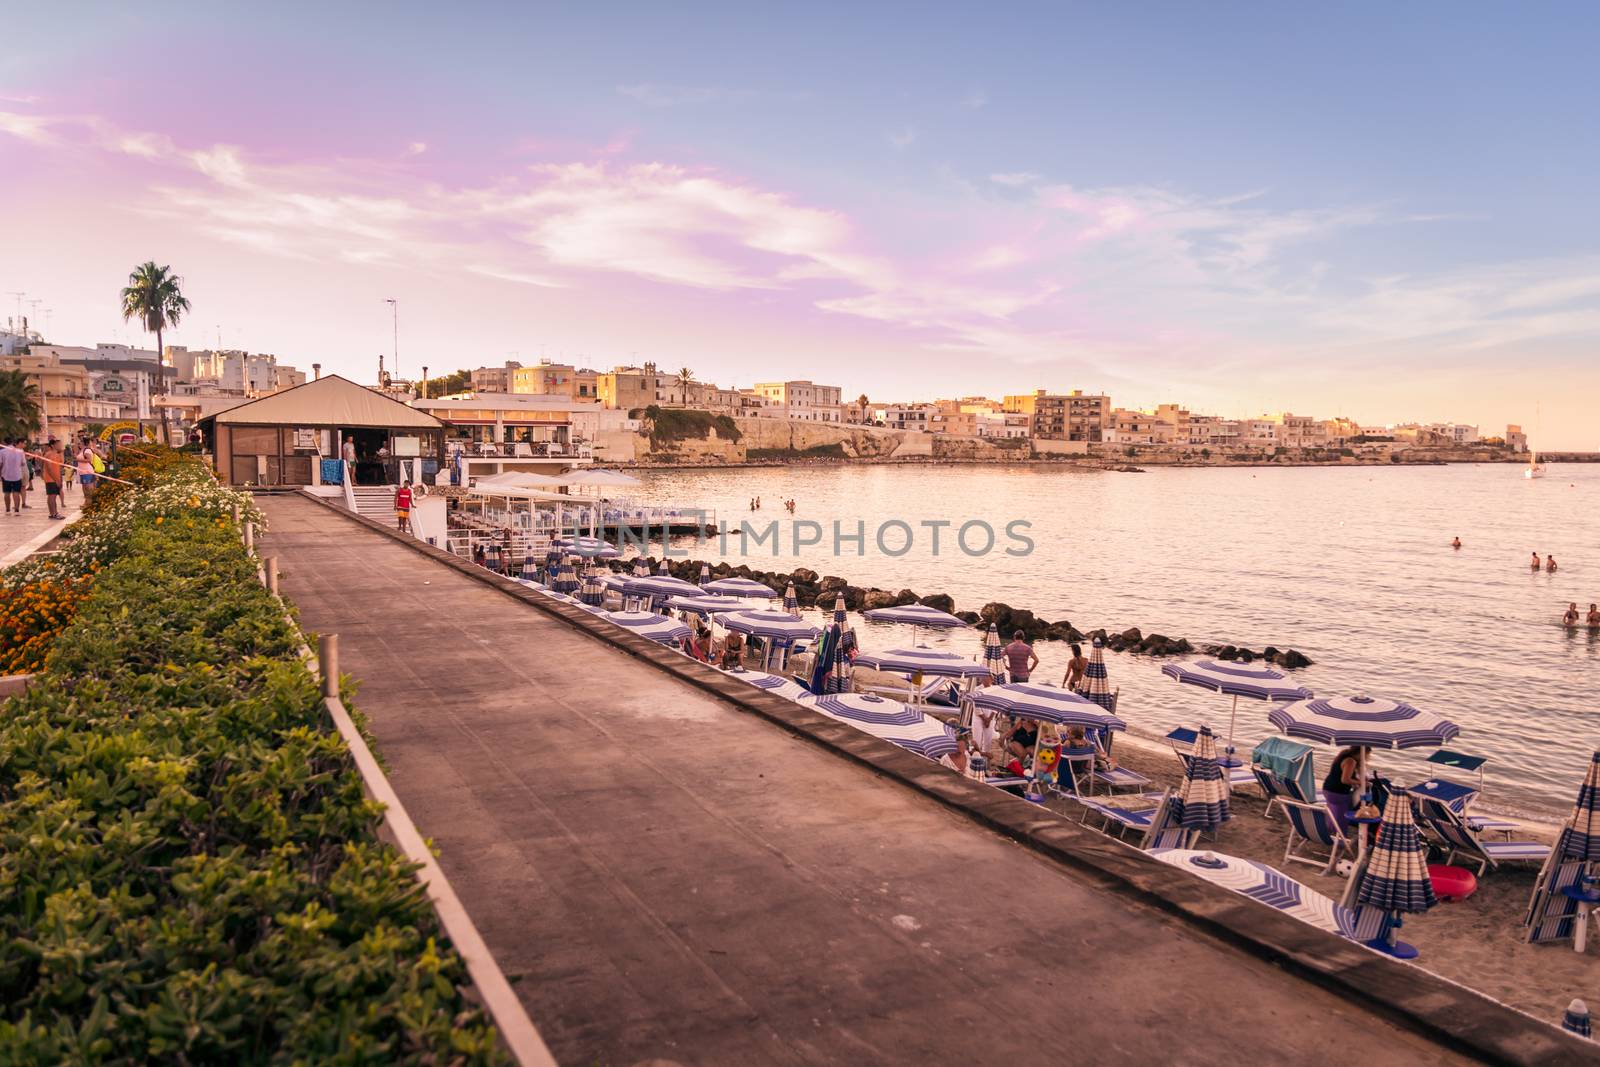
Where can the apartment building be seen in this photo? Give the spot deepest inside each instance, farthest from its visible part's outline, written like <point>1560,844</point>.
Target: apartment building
<point>67,399</point>
<point>905,416</point>
<point>1074,416</point>
<point>555,379</point>
<point>629,388</point>
<point>805,400</point>
<point>1002,424</point>
<point>494,379</point>
<point>1130,427</point>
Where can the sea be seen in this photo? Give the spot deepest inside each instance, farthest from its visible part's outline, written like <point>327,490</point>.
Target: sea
<point>1352,566</point>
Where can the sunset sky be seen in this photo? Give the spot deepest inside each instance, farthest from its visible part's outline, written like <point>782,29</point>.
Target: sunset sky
<point>1384,211</point>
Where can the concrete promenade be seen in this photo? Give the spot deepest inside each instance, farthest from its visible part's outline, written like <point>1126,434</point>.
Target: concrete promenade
<point>22,535</point>
<point>676,879</point>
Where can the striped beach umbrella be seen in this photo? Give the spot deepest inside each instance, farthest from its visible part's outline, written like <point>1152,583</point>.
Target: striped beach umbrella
<point>777,626</point>
<point>1577,1019</point>
<point>994,653</point>
<point>530,568</point>
<point>1393,878</point>
<point>566,578</point>
<point>1253,681</point>
<point>590,547</point>
<point>705,573</point>
<point>791,603</point>
<point>707,604</point>
<point>1202,802</point>
<point>897,723</point>
<point>593,590</point>
<point>922,661</point>
<point>1580,838</point>
<point>772,683</point>
<point>1026,700</point>
<point>1263,884</point>
<point>741,587</point>
<point>659,585</point>
<point>1374,722</point>
<point>838,680</point>
<point>916,616</point>
<point>648,624</point>
<point>1554,912</point>
<point>552,562</point>
<point>662,568</point>
<point>641,567</point>
<point>1096,682</point>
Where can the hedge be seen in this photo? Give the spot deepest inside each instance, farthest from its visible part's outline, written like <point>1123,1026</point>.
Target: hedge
<point>189,869</point>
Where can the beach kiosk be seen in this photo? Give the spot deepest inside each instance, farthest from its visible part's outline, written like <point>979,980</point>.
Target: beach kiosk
<point>297,436</point>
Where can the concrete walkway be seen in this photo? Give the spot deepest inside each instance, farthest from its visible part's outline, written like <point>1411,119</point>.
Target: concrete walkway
<point>675,879</point>
<point>21,535</point>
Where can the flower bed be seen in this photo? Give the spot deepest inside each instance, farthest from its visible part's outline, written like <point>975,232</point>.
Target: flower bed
<point>189,869</point>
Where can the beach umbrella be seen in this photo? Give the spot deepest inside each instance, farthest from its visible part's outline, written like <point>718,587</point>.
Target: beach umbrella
<point>1026,700</point>
<point>566,578</point>
<point>1202,802</point>
<point>994,655</point>
<point>593,590</point>
<point>791,603</point>
<point>890,720</point>
<point>1254,681</point>
<point>741,587</point>
<point>772,683</point>
<point>1096,683</point>
<point>915,616</point>
<point>661,585</point>
<point>1264,884</point>
<point>662,568</point>
<point>838,680</point>
<point>641,567</point>
<point>778,626</point>
<point>1577,1019</point>
<point>1394,878</point>
<point>707,604</point>
<point>530,568</point>
<point>590,547</point>
<point>1580,837</point>
<point>648,624</point>
<point>1374,722</point>
<point>705,573</point>
<point>922,661</point>
<point>552,562</point>
<point>1563,893</point>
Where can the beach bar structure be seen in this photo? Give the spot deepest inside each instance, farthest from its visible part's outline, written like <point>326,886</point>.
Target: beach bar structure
<point>296,437</point>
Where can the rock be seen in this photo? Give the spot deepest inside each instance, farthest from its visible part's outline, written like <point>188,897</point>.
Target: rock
<point>854,597</point>
<point>971,618</point>
<point>1246,656</point>
<point>832,582</point>
<point>803,574</point>
<point>1182,646</point>
<point>904,596</point>
<point>1270,654</point>
<point>1291,659</point>
<point>1227,652</point>
<point>941,601</point>
<point>878,598</point>
<point>1131,635</point>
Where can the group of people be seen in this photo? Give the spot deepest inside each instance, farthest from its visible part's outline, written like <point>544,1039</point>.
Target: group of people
<point>57,465</point>
<point>788,505</point>
<point>1571,618</point>
<point>1549,564</point>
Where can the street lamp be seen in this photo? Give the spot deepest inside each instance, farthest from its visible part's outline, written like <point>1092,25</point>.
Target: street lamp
<point>395,307</point>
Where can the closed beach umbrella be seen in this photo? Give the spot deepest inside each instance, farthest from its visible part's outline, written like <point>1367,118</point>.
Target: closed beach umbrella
<point>1254,681</point>
<point>593,590</point>
<point>1202,803</point>
<point>839,674</point>
<point>791,603</point>
<point>1395,876</point>
<point>922,661</point>
<point>1577,1019</point>
<point>662,568</point>
<point>1096,683</point>
<point>566,578</point>
<point>777,626</point>
<point>1580,838</point>
<point>1553,911</point>
<point>741,587</point>
<point>897,723</point>
<point>1026,700</point>
<point>641,567</point>
<point>994,654</point>
<point>649,625</point>
<point>552,562</point>
<point>530,568</point>
<point>1376,722</point>
<point>705,573</point>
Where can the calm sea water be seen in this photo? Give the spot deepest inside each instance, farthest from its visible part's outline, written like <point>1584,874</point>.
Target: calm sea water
<point>1352,566</point>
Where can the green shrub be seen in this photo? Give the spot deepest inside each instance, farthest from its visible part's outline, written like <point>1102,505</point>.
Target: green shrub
<point>189,868</point>
<point>668,425</point>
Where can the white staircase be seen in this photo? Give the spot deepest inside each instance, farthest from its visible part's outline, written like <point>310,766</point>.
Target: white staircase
<point>375,502</point>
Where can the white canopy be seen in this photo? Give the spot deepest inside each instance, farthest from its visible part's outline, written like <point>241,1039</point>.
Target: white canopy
<point>599,478</point>
<point>524,479</point>
<point>518,492</point>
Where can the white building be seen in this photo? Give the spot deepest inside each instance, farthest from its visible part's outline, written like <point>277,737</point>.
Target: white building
<point>1003,424</point>
<point>906,416</point>
<point>803,400</point>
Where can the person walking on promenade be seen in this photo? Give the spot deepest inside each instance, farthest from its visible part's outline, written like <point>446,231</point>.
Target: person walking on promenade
<point>86,477</point>
<point>52,478</point>
<point>402,508</point>
<point>1020,657</point>
<point>69,472</point>
<point>13,470</point>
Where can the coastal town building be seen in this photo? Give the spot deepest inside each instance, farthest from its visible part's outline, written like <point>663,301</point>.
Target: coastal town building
<point>554,379</point>
<point>802,400</point>
<point>905,416</point>
<point>1074,416</point>
<point>1516,440</point>
<point>629,388</point>
<point>67,401</point>
<point>1131,427</point>
<point>493,379</point>
<point>1007,425</point>
<point>234,371</point>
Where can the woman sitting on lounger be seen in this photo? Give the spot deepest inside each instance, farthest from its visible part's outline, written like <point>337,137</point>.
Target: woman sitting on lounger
<point>1344,778</point>
<point>732,650</point>
<point>1024,736</point>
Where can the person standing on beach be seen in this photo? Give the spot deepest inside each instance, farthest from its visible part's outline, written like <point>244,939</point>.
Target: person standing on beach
<point>13,469</point>
<point>52,478</point>
<point>1020,657</point>
<point>1076,666</point>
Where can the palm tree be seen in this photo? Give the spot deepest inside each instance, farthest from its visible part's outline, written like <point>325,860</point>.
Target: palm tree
<point>861,405</point>
<point>685,379</point>
<point>19,405</point>
<point>153,296</point>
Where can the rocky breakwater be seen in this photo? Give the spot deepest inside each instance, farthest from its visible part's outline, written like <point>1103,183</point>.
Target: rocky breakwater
<point>823,590</point>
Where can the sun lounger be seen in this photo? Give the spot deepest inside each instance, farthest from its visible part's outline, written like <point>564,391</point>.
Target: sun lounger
<point>1459,797</point>
<point>1453,834</point>
<point>1312,825</point>
<point>1113,778</point>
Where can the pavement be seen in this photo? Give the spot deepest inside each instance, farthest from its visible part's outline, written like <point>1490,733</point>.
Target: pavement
<point>669,878</point>
<point>22,535</point>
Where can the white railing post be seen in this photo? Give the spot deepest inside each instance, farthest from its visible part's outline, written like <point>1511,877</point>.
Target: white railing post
<point>249,537</point>
<point>272,575</point>
<point>328,661</point>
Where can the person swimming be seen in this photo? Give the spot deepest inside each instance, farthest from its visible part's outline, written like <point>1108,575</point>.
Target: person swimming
<point>1456,543</point>
<point>1571,617</point>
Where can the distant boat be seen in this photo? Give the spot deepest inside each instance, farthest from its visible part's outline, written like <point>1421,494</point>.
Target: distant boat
<point>1535,468</point>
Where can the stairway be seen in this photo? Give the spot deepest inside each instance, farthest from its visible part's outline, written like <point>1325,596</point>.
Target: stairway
<point>375,502</point>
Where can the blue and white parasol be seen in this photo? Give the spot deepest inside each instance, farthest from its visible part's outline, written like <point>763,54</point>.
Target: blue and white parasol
<point>1394,875</point>
<point>593,590</point>
<point>707,604</point>
<point>1027,700</point>
<point>566,578</point>
<point>778,626</point>
<point>589,547</point>
<point>741,587</point>
<point>1255,681</point>
<point>1566,888</point>
<point>897,723</point>
<point>648,624</point>
<point>994,654</point>
<point>772,683</point>
<point>915,616</point>
<point>791,603</point>
<point>922,661</point>
<point>1096,682</point>
<point>705,573</point>
<point>1374,722</point>
<point>1202,803</point>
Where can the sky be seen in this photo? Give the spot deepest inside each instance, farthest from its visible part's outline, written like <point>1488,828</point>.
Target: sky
<point>1380,211</point>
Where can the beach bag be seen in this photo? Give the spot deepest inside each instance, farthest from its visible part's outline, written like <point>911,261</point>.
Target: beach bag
<point>97,463</point>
